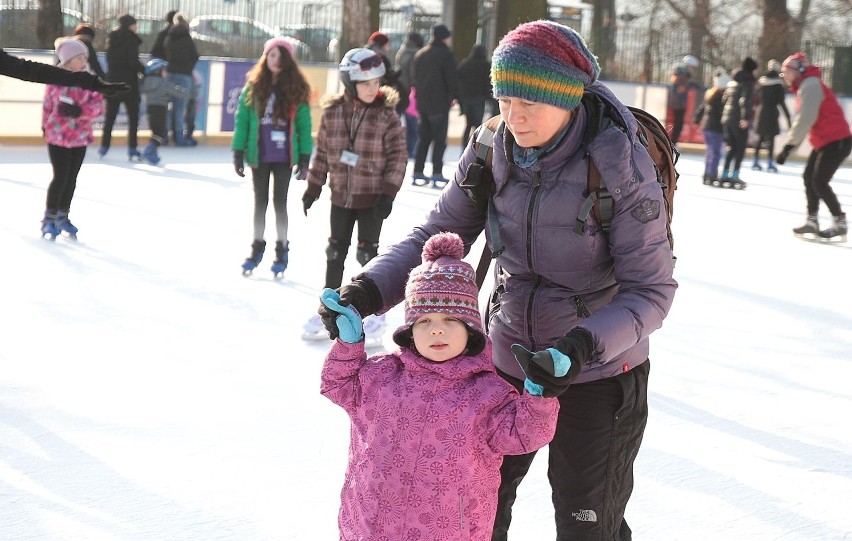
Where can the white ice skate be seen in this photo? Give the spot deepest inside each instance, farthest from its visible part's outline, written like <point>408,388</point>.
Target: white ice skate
<point>374,330</point>
<point>314,331</point>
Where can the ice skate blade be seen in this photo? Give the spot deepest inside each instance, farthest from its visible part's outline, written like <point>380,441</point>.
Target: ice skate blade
<point>837,239</point>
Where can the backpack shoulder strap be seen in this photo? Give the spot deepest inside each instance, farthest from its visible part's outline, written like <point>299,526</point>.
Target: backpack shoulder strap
<point>599,202</point>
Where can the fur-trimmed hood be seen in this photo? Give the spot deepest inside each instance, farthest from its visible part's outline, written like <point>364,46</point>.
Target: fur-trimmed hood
<point>388,96</point>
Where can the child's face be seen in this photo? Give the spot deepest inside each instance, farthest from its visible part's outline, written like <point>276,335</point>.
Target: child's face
<point>439,337</point>
<point>367,90</point>
<point>273,60</point>
<point>78,63</point>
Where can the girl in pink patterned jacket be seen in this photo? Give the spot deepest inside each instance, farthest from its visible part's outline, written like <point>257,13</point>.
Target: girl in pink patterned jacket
<point>67,115</point>
<point>431,421</point>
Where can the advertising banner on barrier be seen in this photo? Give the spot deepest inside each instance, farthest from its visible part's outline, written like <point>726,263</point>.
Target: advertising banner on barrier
<point>235,80</point>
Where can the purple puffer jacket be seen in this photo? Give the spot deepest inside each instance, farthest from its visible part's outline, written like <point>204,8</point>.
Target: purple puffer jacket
<point>427,441</point>
<point>618,287</point>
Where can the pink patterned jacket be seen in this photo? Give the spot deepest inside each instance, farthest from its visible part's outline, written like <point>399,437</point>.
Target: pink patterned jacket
<point>427,441</point>
<point>64,131</point>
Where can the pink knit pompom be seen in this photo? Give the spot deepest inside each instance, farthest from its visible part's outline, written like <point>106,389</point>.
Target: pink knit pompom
<point>443,244</point>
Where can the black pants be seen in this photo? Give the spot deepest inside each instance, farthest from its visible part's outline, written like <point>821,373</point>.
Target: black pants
<point>770,148</point>
<point>157,121</point>
<point>822,164</point>
<point>131,104</point>
<point>260,180</point>
<point>66,164</point>
<point>342,225</point>
<point>737,139</point>
<point>677,123</point>
<point>473,110</point>
<point>432,130</point>
<point>598,434</point>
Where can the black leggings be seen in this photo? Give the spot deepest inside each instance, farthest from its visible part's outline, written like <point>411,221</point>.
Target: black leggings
<point>770,147</point>
<point>737,139</point>
<point>342,225</point>
<point>590,468</point>
<point>66,164</point>
<point>157,121</point>
<point>260,179</point>
<point>822,164</point>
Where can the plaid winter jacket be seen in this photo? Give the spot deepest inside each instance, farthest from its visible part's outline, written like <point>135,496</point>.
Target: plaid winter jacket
<point>373,132</point>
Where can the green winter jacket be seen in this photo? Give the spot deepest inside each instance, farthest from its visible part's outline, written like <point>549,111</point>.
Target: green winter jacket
<point>246,123</point>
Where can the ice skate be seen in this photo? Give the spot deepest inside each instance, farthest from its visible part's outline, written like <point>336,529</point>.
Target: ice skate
<point>133,154</point>
<point>252,261</point>
<point>48,226</point>
<point>63,224</point>
<point>314,331</point>
<point>770,167</point>
<point>149,154</point>
<point>102,151</point>
<point>809,231</point>
<point>374,329</point>
<point>438,182</point>
<point>736,184</point>
<point>835,233</point>
<point>723,181</point>
<point>282,250</point>
<point>709,180</point>
<point>756,167</point>
<point>419,179</point>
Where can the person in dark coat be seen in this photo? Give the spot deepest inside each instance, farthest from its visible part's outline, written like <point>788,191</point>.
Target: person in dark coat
<point>770,96</point>
<point>182,56</point>
<point>158,50</point>
<point>405,68</point>
<point>737,117</point>
<point>436,80</point>
<point>86,33</point>
<point>379,43</point>
<point>122,54</point>
<point>474,89</point>
<point>39,72</point>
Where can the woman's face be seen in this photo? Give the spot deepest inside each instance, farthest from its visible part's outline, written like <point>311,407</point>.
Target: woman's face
<point>439,337</point>
<point>273,60</point>
<point>533,124</point>
<point>367,90</point>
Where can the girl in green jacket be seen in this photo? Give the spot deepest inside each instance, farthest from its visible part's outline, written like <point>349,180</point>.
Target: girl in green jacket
<point>272,131</point>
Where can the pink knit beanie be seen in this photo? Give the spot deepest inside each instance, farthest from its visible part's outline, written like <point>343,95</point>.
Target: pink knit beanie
<point>278,42</point>
<point>442,283</point>
<point>68,48</point>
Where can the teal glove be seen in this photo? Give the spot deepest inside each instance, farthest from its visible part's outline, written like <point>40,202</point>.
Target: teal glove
<point>545,370</point>
<point>349,325</point>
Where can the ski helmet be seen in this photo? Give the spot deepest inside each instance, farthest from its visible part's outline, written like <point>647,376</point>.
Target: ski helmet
<point>360,65</point>
<point>690,61</point>
<point>154,65</point>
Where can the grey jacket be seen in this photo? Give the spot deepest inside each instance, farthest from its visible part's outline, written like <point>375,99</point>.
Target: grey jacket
<point>158,90</point>
<point>618,287</point>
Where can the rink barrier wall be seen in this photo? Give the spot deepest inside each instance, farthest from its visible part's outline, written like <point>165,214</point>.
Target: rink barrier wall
<point>221,80</point>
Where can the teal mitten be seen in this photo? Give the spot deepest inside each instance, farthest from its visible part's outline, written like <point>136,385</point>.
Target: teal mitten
<point>349,325</point>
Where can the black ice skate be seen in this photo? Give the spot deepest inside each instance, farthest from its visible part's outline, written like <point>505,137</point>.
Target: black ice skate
<point>835,233</point>
<point>809,231</point>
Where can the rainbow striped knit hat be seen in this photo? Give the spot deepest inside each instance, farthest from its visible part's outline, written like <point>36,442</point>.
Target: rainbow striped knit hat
<point>442,283</point>
<point>544,62</point>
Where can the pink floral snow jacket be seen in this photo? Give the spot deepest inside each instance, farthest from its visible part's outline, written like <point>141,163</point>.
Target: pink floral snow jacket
<point>427,441</point>
<point>69,132</point>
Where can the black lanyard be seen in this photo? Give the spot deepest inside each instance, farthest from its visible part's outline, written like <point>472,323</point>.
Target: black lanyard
<point>353,135</point>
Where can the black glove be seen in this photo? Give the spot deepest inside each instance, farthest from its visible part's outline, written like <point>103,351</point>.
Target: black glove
<point>541,367</point>
<point>362,294</point>
<point>109,89</point>
<point>302,168</point>
<point>69,109</point>
<point>382,208</point>
<point>782,156</point>
<point>239,162</point>
<point>307,201</point>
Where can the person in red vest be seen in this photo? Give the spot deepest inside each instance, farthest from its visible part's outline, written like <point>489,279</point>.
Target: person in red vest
<point>820,117</point>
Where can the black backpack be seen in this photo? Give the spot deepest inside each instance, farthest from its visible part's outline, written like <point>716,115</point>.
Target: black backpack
<point>479,182</point>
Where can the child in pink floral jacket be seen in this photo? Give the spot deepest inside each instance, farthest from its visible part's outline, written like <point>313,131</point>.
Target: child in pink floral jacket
<point>432,421</point>
<point>67,115</point>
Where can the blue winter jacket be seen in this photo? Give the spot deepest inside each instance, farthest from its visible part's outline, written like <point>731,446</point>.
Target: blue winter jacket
<point>618,287</point>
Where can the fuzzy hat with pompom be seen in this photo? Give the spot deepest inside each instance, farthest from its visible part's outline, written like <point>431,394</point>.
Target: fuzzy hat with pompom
<point>442,283</point>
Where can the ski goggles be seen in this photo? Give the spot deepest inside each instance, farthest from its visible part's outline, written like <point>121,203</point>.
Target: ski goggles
<point>370,62</point>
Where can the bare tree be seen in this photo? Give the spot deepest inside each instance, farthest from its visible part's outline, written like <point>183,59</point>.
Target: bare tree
<point>356,24</point>
<point>698,21</point>
<point>511,13</point>
<point>776,41</point>
<point>49,25</point>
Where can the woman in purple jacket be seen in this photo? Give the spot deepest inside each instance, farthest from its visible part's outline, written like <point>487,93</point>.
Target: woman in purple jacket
<point>592,296</point>
<point>432,421</point>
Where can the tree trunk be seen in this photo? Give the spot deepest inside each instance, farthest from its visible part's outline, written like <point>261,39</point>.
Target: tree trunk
<point>466,24</point>
<point>356,25</point>
<point>603,34</point>
<point>511,13</point>
<point>49,25</point>
<point>777,40</point>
